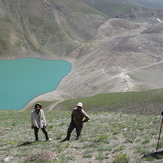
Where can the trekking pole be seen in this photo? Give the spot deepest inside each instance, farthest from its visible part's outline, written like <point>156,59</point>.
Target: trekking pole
<point>159,132</point>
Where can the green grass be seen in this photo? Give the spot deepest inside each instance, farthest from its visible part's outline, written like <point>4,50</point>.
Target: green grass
<point>144,102</point>
<point>104,137</point>
<point>121,158</point>
<point>108,136</point>
<point>80,7</point>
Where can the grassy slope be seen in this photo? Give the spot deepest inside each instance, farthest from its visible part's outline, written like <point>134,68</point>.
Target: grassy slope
<point>144,102</point>
<point>77,6</point>
<point>9,37</point>
<point>107,137</point>
<point>38,25</point>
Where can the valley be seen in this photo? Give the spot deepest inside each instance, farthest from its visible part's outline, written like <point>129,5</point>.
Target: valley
<point>118,54</point>
<point>115,49</point>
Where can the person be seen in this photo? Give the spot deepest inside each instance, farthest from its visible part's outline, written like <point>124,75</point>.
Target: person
<point>78,117</point>
<point>38,121</point>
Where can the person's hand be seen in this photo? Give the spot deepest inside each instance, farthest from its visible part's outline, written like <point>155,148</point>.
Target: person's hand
<point>44,126</point>
<point>32,126</point>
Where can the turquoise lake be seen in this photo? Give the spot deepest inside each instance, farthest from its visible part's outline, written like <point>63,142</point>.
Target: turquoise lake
<point>21,80</point>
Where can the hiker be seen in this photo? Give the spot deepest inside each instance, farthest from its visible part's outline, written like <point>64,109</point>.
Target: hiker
<point>78,117</point>
<point>38,121</point>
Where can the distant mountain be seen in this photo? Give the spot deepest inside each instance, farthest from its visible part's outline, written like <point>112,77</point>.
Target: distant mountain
<point>156,4</point>
<point>124,8</point>
<point>51,26</point>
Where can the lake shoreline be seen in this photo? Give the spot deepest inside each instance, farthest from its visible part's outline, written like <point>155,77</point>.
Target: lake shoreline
<point>29,75</point>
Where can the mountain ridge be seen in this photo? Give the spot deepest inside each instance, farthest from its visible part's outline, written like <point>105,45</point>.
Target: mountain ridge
<point>125,9</point>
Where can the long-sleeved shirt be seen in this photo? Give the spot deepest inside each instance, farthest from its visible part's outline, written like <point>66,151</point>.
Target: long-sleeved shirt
<point>77,116</point>
<point>38,119</point>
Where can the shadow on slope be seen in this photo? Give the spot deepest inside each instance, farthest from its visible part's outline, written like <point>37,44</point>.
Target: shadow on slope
<point>26,143</point>
<point>156,155</point>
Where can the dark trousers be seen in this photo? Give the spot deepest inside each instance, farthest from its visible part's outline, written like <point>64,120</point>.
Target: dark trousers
<point>71,128</point>
<point>43,130</point>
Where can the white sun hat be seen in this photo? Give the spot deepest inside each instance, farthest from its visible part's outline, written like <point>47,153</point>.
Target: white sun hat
<point>79,104</point>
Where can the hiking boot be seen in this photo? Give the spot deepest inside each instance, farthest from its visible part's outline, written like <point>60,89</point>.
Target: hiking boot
<point>66,139</point>
<point>77,137</point>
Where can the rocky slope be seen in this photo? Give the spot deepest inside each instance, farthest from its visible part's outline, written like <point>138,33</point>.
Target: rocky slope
<point>129,57</point>
<point>126,56</point>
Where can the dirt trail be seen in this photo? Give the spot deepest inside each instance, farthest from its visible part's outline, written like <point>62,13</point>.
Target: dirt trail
<point>137,69</point>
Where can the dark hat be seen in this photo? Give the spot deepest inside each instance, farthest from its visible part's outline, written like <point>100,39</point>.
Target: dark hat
<point>38,104</point>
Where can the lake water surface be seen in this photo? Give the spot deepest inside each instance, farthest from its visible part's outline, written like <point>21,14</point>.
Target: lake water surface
<point>21,80</point>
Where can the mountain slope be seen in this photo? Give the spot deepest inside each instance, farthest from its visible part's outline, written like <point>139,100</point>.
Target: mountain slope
<point>126,56</point>
<point>123,9</point>
<point>42,25</point>
<point>157,4</point>
<point>126,138</point>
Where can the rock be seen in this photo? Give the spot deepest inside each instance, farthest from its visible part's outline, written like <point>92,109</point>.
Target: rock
<point>9,159</point>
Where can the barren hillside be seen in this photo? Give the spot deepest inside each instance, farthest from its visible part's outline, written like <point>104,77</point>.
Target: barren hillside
<point>131,59</point>
<point>126,56</point>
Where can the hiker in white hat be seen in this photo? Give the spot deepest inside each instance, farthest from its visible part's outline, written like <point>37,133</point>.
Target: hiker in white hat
<point>78,117</point>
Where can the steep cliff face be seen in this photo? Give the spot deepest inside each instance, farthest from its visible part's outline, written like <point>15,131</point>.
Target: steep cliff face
<point>45,25</point>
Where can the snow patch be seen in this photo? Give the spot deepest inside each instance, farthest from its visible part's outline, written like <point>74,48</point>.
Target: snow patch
<point>159,20</point>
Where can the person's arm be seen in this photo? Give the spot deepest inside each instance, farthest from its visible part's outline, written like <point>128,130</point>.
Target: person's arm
<point>72,116</point>
<point>44,119</point>
<point>33,119</point>
<point>32,125</point>
<point>86,117</point>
